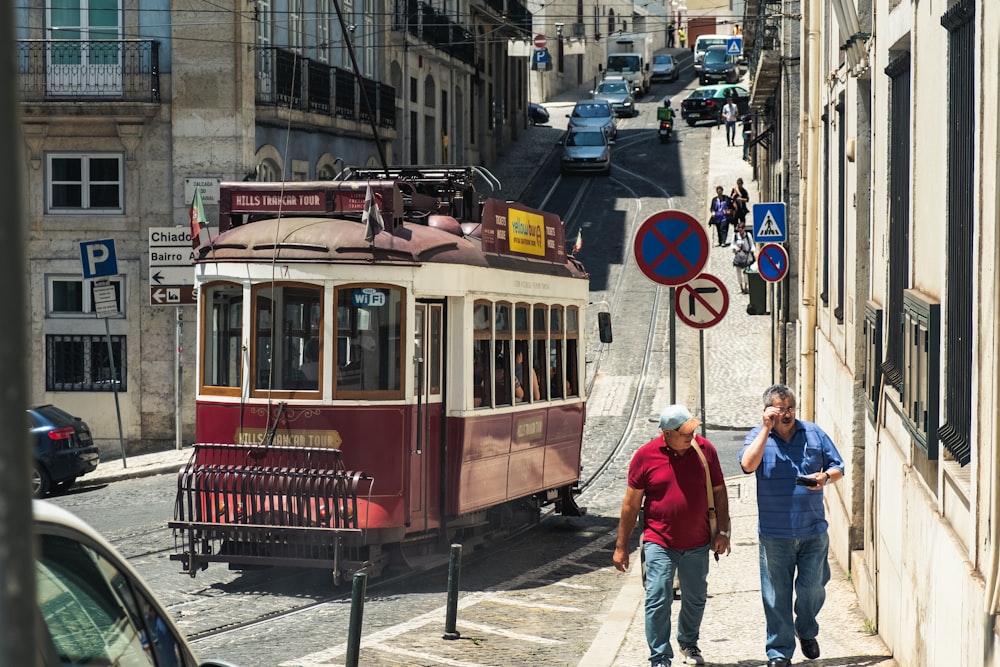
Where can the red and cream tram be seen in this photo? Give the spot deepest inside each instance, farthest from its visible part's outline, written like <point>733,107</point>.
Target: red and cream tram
<point>364,392</point>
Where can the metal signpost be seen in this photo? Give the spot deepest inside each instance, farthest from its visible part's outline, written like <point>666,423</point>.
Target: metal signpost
<point>171,283</point>
<point>671,248</point>
<point>772,265</point>
<point>100,261</point>
<point>702,303</point>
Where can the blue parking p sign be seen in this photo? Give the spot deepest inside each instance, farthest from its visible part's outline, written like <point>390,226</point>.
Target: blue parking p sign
<point>99,259</point>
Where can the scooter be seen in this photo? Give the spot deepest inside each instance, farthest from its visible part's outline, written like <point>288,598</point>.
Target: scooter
<point>666,127</point>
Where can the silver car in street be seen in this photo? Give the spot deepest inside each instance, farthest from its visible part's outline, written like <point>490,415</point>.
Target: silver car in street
<point>586,150</point>
<point>664,68</point>
<point>618,93</point>
<point>594,114</point>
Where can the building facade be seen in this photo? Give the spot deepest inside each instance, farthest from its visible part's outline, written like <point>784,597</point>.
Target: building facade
<point>128,106</point>
<point>889,314</point>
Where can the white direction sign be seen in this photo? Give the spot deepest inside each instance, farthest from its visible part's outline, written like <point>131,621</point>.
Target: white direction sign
<point>702,302</point>
<point>171,265</point>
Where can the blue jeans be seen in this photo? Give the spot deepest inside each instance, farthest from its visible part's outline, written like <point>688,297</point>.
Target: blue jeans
<point>788,563</point>
<point>692,573</point>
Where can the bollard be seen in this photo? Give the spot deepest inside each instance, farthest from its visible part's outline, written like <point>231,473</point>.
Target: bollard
<point>454,569</point>
<point>357,613</point>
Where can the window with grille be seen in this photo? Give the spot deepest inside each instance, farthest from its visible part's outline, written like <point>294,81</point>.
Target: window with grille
<point>922,364</point>
<point>899,215</point>
<point>961,108</point>
<point>872,377</point>
<point>81,363</point>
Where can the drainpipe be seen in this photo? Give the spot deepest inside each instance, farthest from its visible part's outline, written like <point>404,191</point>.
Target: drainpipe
<point>810,213</point>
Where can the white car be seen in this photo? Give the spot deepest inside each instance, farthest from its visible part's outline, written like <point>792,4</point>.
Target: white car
<point>95,607</point>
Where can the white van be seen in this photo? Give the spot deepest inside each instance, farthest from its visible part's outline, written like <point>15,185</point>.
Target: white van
<point>701,45</point>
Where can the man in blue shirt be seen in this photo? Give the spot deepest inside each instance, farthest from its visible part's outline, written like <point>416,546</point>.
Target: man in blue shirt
<point>793,460</point>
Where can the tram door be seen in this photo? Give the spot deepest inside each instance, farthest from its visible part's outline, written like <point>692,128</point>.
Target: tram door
<point>428,415</point>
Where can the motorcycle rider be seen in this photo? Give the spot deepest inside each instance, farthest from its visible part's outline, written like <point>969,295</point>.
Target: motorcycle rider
<point>666,117</point>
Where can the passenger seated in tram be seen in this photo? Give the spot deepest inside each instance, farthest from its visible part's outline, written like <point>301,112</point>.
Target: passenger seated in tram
<point>519,369</point>
<point>503,383</point>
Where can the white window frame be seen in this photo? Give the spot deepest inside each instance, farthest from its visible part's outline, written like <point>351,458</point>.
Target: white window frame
<point>85,183</point>
<point>296,24</point>
<point>87,292</point>
<point>324,48</point>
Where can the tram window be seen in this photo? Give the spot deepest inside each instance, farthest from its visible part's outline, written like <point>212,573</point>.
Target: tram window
<point>426,349</point>
<point>572,375</point>
<point>572,350</point>
<point>539,365</point>
<point>572,321</point>
<point>286,319</point>
<point>481,318</point>
<point>557,321</point>
<point>559,387</point>
<point>521,319</point>
<point>222,362</point>
<point>482,373</point>
<point>369,338</point>
<point>503,319</point>
<point>525,373</point>
<point>434,350</point>
<point>539,320</point>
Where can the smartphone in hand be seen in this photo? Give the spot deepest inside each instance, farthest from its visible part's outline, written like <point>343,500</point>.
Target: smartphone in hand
<point>802,480</point>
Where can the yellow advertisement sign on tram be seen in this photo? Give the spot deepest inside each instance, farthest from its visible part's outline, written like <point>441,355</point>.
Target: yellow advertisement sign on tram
<point>526,232</point>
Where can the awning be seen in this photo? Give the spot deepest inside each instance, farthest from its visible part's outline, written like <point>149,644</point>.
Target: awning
<point>765,79</point>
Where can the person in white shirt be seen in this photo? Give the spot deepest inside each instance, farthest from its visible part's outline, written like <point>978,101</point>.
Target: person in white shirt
<point>730,114</point>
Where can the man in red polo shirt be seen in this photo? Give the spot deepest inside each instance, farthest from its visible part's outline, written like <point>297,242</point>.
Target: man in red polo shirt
<point>666,480</point>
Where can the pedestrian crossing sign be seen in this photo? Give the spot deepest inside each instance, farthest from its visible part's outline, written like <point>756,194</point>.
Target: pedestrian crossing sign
<point>734,46</point>
<point>769,225</point>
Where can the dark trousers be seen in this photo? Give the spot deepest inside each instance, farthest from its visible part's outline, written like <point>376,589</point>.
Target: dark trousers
<point>722,227</point>
<point>746,148</point>
<point>730,132</point>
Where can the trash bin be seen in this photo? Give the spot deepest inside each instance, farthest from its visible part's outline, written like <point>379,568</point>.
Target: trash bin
<point>758,292</point>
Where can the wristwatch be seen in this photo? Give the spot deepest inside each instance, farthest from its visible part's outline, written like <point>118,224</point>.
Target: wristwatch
<point>827,473</point>
<point>727,533</point>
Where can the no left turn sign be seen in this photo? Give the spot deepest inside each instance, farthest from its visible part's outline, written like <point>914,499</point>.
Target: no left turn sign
<point>703,302</point>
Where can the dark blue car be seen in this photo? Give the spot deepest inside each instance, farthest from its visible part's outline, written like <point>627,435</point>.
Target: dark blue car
<point>537,114</point>
<point>64,449</point>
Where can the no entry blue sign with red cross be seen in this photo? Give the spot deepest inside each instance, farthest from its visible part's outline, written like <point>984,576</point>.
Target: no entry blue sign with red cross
<point>671,248</point>
<point>772,262</point>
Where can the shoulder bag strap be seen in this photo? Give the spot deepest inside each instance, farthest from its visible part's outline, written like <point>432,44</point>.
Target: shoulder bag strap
<point>712,519</point>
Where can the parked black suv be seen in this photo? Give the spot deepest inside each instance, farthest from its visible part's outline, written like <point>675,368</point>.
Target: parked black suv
<point>718,67</point>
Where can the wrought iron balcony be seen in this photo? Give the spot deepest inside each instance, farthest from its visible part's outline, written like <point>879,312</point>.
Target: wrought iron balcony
<point>50,70</point>
<point>435,28</point>
<point>288,80</point>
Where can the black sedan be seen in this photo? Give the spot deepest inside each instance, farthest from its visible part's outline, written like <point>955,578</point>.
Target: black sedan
<point>706,102</point>
<point>64,448</point>
<point>537,114</point>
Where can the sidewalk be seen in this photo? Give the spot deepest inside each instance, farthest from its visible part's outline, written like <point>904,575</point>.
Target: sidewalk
<point>733,631</point>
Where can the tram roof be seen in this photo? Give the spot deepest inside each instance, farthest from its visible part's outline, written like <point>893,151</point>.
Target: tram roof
<point>342,240</point>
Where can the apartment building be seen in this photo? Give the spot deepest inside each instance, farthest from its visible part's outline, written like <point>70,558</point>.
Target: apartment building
<point>129,106</point>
